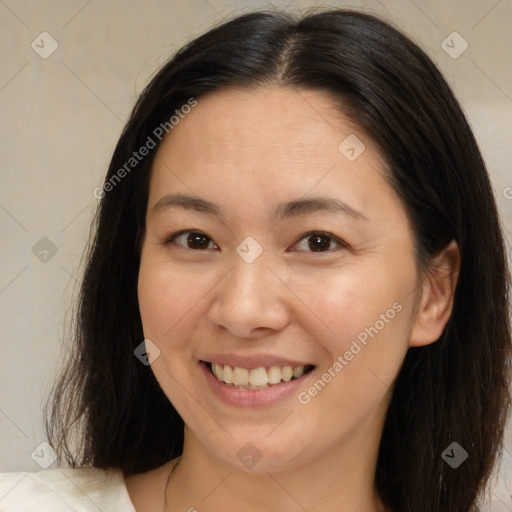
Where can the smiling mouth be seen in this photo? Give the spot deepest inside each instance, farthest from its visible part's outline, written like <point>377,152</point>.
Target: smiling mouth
<point>256,378</point>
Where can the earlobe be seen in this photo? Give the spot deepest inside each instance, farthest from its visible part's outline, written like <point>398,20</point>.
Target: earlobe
<point>436,300</point>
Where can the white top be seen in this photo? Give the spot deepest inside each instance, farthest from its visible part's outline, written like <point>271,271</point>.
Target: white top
<point>65,490</point>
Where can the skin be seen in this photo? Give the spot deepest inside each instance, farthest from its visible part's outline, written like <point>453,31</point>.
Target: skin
<point>247,151</point>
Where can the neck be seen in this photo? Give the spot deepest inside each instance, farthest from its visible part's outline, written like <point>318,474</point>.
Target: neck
<point>341,478</point>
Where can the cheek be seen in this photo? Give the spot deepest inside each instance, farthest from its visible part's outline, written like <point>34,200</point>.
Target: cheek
<point>353,303</point>
<point>167,297</point>
<point>169,303</point>
<point>365,315</point>
<point>368,316</point>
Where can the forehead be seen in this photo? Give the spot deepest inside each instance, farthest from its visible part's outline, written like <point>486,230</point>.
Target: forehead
<point>278,120</point>
<point>268,145</point>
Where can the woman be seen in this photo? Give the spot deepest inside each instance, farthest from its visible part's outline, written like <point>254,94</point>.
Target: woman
<point>296,296</point>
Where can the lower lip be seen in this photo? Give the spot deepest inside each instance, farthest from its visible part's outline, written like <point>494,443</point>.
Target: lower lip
<point>252,397</point>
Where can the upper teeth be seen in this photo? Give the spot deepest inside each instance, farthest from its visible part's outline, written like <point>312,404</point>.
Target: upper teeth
<point>256,376</point>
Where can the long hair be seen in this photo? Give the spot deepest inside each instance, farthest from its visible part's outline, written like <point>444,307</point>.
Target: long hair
<point>108,410</point>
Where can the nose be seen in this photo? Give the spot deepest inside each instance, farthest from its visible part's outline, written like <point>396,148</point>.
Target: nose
<point>249,301</point>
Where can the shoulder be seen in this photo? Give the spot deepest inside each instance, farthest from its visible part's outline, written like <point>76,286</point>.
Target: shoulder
<point>65,489</point>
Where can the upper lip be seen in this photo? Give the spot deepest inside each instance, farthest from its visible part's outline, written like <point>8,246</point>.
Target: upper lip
<point>254,361</point>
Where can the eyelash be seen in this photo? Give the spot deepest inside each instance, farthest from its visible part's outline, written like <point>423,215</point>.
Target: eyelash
<point>331,237</point>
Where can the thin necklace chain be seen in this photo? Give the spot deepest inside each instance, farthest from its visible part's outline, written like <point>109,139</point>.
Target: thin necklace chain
<point>166,505</point>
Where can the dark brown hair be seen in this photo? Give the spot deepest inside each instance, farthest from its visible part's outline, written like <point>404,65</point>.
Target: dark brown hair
<point>455,389</point>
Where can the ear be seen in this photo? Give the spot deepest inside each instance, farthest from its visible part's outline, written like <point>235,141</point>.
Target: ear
<point>436,301</point>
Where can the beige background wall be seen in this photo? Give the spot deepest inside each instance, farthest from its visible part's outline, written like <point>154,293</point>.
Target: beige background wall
<point>61,116</point>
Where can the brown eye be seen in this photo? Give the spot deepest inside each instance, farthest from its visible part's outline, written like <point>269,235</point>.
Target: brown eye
<point>192,240</point>
<point>320,242</point>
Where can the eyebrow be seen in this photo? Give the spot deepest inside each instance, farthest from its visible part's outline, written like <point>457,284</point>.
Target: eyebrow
<point>281,211</point>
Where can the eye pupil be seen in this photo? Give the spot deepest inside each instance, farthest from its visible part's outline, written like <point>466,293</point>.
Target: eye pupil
<point>319,242</point>
<point>197,240</point>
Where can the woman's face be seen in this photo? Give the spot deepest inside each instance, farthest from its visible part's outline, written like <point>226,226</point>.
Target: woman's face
<point>273,240</point>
